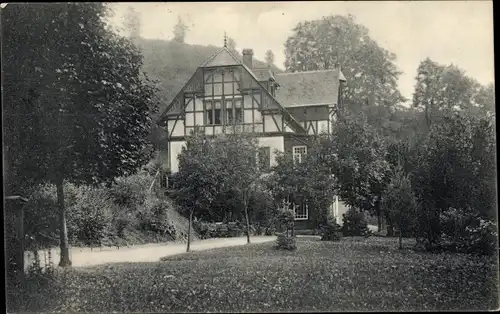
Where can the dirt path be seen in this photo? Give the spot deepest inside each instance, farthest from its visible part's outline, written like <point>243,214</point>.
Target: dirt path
<point>82,257</point>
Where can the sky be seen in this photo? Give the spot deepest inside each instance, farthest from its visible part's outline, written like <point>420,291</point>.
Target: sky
<point>458,32</point>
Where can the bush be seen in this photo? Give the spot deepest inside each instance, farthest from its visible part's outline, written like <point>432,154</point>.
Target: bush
<point>285,242</point>
<point>153,218</point>
<point>331,231</point>
<point>131,191</point>
<point>354,224</point>
<point>209,230</point>
<point>465,231</point>
<point>90,219</point>
<point>399,203</point>
<point>286,218</point>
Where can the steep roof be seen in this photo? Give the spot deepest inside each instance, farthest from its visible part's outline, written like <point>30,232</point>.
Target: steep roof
<point>308,88</point>
<point>223,57</point>
<point>263,74</point>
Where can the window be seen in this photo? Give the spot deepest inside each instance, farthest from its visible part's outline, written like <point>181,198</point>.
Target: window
<point>299,153</point>
<point>234,112</point>
<point>264,158</point>
<point>213,112</point>
<point>301,211</point>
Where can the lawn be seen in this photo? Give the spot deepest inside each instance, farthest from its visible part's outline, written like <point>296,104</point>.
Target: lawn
<point>356,274</point>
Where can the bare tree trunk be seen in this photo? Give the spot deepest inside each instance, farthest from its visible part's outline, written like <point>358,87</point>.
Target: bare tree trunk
<point>189,231</point>
<point>245,205</point>
<point>63,230</point>
<point>379,214</point>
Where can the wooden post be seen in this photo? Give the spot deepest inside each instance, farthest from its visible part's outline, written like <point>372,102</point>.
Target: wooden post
<point>15,247</point>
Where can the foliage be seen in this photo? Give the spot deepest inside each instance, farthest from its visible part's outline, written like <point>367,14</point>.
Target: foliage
<point>65,118</point>
<point>447,88</point>
<point>286,242</point>
<point>231,45</point>
<point>207,230</point>
<point>369,69</point>
<point>269,57</point>
<point>254,277</point>
<point>309,181</point>
<point>354,224</point>
<point>358,159</point>
<point>331,231</point>
<point>399,202</point>
<point>132,190</point>
<point>455,168</point>
<point>63,128</point>
<point>465,231</point>
<point>132,23</point>
<point>180,30</point>
<point>99,216</point>
<point>89,219</point>
<point>218,171</point>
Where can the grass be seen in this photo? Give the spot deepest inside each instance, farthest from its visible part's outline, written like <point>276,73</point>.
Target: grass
<point>355,274</point>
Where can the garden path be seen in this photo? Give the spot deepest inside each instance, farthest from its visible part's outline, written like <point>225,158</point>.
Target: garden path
<point>83,257</point>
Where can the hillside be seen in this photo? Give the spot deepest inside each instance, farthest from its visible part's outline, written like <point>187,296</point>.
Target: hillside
<point>172,64</point>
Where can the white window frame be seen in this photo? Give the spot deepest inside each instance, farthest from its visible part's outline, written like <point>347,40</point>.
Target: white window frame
<point>297,155</point>
<point>304,215</point>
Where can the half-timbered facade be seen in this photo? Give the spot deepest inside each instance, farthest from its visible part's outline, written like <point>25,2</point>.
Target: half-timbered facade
<point>284,110</point>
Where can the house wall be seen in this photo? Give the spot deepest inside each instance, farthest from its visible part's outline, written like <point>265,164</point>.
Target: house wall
<point>274,143</point>
<point>340,209</point>
<point>175,150</point>
<point>175,128</point>
<point>295,140</point>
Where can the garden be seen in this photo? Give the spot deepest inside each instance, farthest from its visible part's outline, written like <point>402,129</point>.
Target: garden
<point>354,274</point>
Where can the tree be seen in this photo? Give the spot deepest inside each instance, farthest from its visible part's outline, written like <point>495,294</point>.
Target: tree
<point>231,45</point>
<point>455,168</point>
<point>307,182</point>
<point>269,57</point>
<point>238,162</point>
<point>133,23</point>
<point>442,88</point>
<point>83,112</point>
<point>198,180</point>
<point>180,30</point>
<point>369,69</point>
<point>399,202</point>
<point>358,161</point>
<point>212,168</point>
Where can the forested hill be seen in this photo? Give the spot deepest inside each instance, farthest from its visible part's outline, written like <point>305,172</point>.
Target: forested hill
<point>172,64</point>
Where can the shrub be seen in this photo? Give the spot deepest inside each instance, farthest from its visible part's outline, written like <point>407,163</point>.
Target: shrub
<point>285,242</point>
<point>208,230</point>
<point>131,191</point>
<point>286,218</point>
<point>467,232</point>
<point>331,231</point>
<point>90,219</point>
<point>153,218</point>
<point>398,201</point>
<point>354,223</point>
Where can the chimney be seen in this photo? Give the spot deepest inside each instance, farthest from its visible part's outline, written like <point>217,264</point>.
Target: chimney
<point>247,57</point>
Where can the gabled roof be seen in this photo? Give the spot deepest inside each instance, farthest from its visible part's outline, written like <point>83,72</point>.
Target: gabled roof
<point>308,88</point>
<point>223,57</point>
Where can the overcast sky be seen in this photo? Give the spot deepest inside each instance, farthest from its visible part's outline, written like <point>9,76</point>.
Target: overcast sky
<point>459,32</point>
